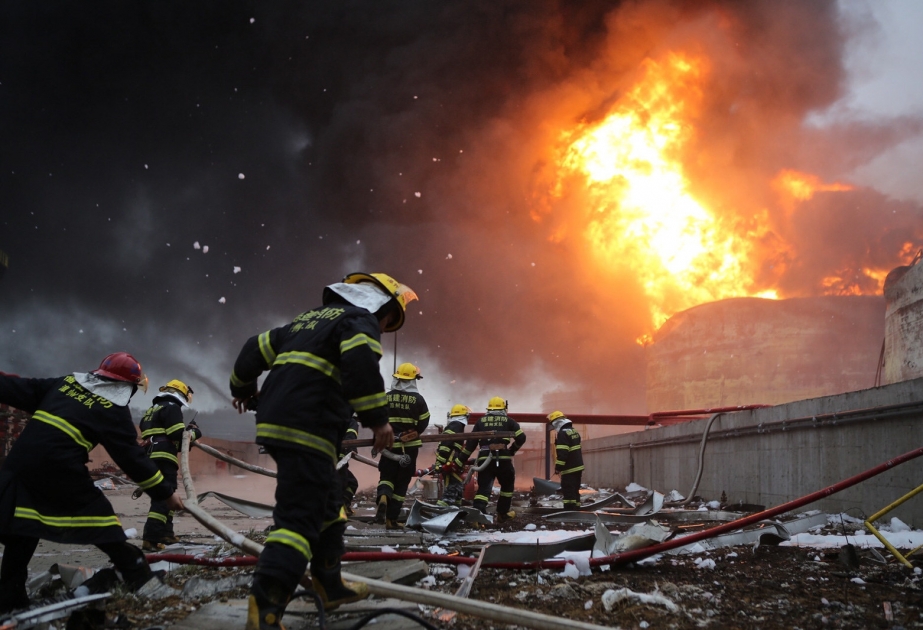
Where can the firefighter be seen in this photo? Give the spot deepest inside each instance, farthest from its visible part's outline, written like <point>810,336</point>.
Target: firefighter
<point>323,366</point>
<point>162,429</point>
<point>568,461</point>
<point>46,491</point>
<point>501,451</point>
<point>451,457</point>
<point>409,417</point>
<point>348,480</point>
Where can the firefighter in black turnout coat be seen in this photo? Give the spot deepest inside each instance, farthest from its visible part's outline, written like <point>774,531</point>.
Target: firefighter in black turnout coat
<point>409,417</point>
<point>323,366</point>
<point>501,452</point>
<point>451,457</point>
<point>162,430</point>
<point>568,461</point>
<point>46,491</point>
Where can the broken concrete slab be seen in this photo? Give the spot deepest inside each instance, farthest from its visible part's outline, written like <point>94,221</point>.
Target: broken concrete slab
<point>639,536</point>
<point>502,552</point>
<point>299,615</point>
<point>45,614</point>
<point>378,539</point>
<point>198,588</point>
<point>395,571</point>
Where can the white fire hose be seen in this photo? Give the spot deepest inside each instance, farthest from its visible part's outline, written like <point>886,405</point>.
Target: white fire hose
<point>478,468</point>
<point>402,460</point>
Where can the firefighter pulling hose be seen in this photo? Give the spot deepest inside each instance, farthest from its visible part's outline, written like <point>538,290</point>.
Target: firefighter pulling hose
<point>323,366</point>
<point>408,416</point>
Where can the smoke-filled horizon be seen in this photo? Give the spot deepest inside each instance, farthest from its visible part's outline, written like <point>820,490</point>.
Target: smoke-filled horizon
<point>176,178</point>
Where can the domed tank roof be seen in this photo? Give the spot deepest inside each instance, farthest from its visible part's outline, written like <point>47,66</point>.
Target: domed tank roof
<point>745,351</point>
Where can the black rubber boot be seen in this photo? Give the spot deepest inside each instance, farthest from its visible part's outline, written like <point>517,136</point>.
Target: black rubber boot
<point>382,511</point>
<point>267,602</point>
<point>329,584</point>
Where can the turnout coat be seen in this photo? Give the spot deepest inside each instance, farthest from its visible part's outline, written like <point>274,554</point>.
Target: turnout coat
<point>322,367</point>
<point>45,487</point>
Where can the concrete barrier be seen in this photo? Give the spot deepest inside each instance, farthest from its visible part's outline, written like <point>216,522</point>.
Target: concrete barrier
<point>777,454</point>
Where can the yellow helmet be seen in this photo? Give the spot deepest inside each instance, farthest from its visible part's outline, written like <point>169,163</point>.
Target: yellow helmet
<point>458,410</point>
<point>407,372</point>
<point>178,386</point>
<point>554,415</point>
<point>401,293</point>
<point>496,403</point>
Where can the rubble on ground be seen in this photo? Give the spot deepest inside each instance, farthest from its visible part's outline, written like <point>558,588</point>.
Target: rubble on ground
<point>761,579</point>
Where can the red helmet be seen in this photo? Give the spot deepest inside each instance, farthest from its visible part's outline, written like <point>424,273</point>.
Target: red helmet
<point>121,366</point>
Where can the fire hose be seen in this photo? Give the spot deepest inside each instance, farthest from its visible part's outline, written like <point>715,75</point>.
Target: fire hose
<point>402,460</point>
<point>485,610</point>
<point>478,468</point>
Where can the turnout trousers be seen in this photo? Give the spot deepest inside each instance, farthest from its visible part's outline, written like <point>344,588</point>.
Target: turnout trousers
<point>570,488</point>
<point>309,518</point>
<point>395,479</point>
<point>159,524</point>
<point>503,471</point>
<point>349,485</point>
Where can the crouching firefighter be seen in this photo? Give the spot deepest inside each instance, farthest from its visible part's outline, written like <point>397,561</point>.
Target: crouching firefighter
<point>451,457</point>
<point>409,417</point>
<point>46,491</point>
<point>500,451</point>
<point>568,461</point>
<point>322,367</point>
<point>162,429</point>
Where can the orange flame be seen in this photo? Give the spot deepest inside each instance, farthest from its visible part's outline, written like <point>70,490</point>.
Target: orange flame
<point>643,213</point>
<point>802,186</point>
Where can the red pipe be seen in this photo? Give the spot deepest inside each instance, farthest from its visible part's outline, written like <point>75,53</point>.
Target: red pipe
<point>375,556</point>
<point>614,559</point>
<point>639,554</point>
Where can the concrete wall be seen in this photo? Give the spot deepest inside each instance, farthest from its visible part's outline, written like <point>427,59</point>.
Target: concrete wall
<point>777,466</point>
<point>903,358</point>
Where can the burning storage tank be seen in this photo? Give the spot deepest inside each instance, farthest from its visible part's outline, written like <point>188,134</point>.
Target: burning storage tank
<point>757,351</point>
<point>903,351</point>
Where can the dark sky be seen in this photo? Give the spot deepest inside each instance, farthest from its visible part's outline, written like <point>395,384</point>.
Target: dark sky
<point>299,141</point>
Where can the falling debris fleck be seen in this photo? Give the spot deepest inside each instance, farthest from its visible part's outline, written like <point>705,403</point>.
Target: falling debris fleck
<point>221,300</point>
<point>236,269</point>
<point>81,331</point>
<point>196,245</point>
<point>168,244</point>
<point>358,241</point>
<point>533,264</point>
<point>414,98</point>
<point>449,257</point>
<point>416,194</point>
<point>145,167</point>
<point>240,176</point>
<point>252,20</point>
<point>421,312</point>
<point>267,247</point>
<point>205,249</point>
